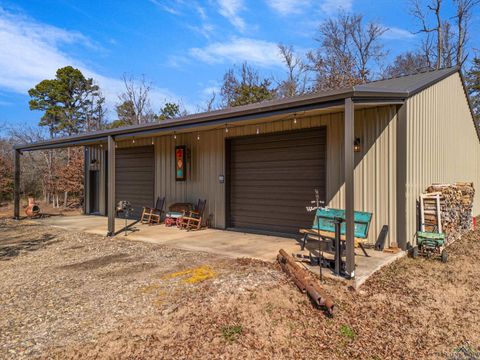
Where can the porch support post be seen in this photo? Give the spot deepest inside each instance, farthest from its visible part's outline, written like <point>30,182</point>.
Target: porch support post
<point>349,187</point>
<point>111,186</point>
<point>16,185</point>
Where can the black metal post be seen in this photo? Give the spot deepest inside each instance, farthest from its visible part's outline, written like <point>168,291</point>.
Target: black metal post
<point>338,247</point>
<point>16,186</point>
<point>349,187</point>
<point>111,186</point>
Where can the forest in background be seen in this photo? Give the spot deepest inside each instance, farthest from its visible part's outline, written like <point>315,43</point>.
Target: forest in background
<point>349,51</point>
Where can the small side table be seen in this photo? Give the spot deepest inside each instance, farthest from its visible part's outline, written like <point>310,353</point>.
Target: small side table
<point>173,218</point>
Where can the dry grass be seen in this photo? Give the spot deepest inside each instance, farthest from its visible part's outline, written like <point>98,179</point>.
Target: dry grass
<point>98,298</point>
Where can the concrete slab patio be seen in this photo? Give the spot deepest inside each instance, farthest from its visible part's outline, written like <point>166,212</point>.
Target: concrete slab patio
<point>227,243</point>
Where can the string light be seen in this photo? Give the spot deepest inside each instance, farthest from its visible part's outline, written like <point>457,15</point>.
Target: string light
<point>153,142</point>
<point>294,118</point>
<point>174,136</point>
<point>226,128</point>
<point>258,131</point>
<point>198,136</point>
<point>116,144</point>
<point>133,141</point>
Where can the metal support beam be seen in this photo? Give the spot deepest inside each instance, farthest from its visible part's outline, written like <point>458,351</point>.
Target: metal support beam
<point>16,185</point>
<point>111,186</point>
<point>86,187</point>
<point>349,188</point>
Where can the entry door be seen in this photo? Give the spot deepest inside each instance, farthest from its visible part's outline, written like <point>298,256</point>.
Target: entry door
<point>94,184</point>
<point>134,177</point>
<point>272,179</point>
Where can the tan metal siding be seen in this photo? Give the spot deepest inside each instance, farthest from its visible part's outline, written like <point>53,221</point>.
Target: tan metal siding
<point>375,171</point>
<point>442,144</point>
<point>375,168</point>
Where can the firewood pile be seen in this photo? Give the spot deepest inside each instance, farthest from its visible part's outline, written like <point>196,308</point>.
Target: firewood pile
<point>456,203</point>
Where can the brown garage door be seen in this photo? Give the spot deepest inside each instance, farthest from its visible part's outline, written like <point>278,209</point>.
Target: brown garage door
<point>272,179</point>
<point>134,177</point>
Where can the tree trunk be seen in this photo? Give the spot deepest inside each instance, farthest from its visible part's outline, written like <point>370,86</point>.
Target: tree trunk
<point>439,35</point>
<point>65,198</point>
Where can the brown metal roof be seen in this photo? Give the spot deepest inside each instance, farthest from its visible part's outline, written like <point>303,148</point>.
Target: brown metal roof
<point>410,84</point>
<point>392,90</point>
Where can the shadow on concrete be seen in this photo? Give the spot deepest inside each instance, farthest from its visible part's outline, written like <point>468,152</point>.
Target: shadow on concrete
<point>130,228</point>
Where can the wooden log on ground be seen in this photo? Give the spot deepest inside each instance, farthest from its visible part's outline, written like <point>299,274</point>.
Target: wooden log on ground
<point>305,281</point>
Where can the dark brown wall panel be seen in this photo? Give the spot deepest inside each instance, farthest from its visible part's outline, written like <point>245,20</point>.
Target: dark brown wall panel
<point>134,177</point>
<point>272,179</point>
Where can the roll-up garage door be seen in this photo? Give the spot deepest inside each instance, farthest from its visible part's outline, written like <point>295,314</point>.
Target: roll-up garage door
<point>272,179</point>
<point>134,177</point>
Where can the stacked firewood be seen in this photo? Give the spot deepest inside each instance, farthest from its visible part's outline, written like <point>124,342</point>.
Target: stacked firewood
<point>456,203</point>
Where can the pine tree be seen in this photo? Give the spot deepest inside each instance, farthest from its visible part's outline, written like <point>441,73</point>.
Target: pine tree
<point>472,80</point>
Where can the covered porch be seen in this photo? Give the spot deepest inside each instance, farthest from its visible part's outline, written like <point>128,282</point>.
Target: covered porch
<point>351,181</point>
<point>220,242</point>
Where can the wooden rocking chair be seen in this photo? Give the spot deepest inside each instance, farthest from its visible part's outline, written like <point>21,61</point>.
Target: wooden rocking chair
<point>153,215</point>
<point>192,220</point>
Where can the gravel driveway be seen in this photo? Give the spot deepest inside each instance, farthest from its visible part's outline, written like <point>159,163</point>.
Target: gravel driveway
<point>71,295</point>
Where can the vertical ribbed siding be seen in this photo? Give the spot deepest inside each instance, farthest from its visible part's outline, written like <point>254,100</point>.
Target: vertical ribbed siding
<point>375,168</point>
<point>442,144</point>
<point>375,171</point>
<point>99,154</point>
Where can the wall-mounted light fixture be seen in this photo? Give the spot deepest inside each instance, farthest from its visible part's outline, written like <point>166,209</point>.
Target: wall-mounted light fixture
<point>357,145</point>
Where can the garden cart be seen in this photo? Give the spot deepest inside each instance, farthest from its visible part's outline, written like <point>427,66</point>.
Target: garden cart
<point>430,243</point>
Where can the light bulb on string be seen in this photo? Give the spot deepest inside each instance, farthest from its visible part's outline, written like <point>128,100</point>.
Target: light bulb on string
<point>294,118</point>
<point>258,131</point>
<point>198,136</point>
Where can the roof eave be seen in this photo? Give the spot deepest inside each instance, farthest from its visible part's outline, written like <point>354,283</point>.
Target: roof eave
<point>305,103</point>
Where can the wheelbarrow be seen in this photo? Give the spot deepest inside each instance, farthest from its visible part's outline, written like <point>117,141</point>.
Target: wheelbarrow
<point>430,245</point>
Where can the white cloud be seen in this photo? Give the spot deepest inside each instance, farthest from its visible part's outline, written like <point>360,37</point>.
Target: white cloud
<point>288,7</point>
<point>258,52</point>
<point>394,33</point>
<point>169,9</point>
<point>230,9</point>
<point>205,29</point>
<point>32,51</point>
<point>332,6</point>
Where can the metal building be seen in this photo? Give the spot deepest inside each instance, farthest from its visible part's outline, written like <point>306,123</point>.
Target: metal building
<point>374,147</point>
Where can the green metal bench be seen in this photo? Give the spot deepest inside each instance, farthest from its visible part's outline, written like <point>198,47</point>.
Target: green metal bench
<point>324,226</point>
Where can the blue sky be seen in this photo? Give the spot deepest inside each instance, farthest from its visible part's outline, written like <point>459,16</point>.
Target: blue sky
<point>182,46</point>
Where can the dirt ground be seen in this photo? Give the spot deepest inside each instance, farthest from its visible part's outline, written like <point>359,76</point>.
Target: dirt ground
<point>6,209</point>
<point>73,295</point>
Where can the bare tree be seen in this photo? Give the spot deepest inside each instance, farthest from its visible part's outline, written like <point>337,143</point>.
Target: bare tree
<point>348,50</point>
<point>96,112</point>
<point>462,19</point>
<point>449,38</point>
<point>137,97</point>
<point>244,85</point>
<point>210,104</point>
<point>407,64</point>
<point>418,11</point>
<point>297,73</point>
